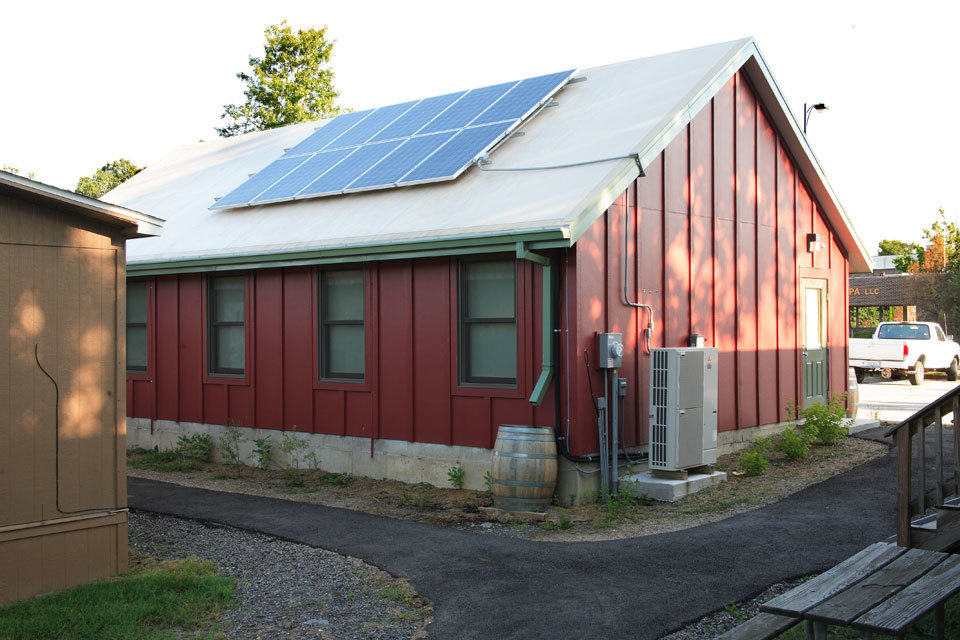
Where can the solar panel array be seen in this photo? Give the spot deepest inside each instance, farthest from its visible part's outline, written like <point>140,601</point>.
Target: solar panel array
<point>404,144</point>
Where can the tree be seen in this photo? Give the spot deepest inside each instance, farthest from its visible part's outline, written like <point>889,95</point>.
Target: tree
<point>905,252</point>
<point>291,83</point>
<point>107,177</point>
<point>29,175</point>
<point>935,284</point>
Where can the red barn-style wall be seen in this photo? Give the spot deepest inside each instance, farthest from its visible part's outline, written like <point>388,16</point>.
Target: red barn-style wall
<point>720,220</point>
<point>716,243</point>
<point>410,390</point>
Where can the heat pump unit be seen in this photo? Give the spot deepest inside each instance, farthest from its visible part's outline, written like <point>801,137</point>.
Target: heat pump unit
<point>683,408</point>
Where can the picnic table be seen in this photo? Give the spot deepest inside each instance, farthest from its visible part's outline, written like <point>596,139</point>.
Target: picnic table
<point>883,589</point>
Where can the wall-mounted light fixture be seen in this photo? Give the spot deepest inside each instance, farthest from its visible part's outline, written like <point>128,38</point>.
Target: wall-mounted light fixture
<point>809,110</point>
<point>813,242</point>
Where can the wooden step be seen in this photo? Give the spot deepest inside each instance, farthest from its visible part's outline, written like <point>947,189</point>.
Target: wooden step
<point>952,503</point>
<point>926,523</point>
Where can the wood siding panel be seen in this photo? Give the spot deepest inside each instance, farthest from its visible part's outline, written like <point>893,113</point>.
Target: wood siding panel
<point>191,349</point>
<point>268,351</point>
<point>788,364</point>
<point>431,334</point>
<point>298,352</point>
<point>397,309</point>
<point>167,340</point>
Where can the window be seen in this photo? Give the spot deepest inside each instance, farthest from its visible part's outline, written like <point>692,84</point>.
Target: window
<point>940,335</point>
<point>904,331</point>
<point>226,334</point>
<point>341,325</point>
<point>488,322</point>
<point>137,326</point>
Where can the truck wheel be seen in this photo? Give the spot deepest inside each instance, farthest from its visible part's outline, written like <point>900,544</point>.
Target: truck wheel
<point>861,375</point>
<point>953,370</point>
<point>916,376</point>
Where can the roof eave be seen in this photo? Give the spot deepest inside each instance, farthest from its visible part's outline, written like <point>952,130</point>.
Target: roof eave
<point>133,224</point>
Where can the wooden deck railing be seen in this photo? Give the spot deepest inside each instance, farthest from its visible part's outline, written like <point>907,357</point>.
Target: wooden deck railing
<point>914,473</point>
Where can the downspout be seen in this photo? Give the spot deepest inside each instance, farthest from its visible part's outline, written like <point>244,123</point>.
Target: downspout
<point>548,314</point>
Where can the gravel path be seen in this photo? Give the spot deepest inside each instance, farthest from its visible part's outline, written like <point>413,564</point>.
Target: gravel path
<point>288,590</point>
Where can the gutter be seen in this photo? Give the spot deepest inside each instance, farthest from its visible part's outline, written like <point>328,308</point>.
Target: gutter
<point>548,314</point>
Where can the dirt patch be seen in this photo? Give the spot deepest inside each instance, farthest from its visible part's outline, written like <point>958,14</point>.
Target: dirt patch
<point>623,517</point>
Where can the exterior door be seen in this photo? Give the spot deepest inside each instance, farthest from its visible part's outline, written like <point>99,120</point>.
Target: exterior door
<point>813,319</point>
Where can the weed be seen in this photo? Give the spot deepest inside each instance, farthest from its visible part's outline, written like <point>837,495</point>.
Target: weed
<point>293,478</point>
<point>351,596</point>
<point>546,525</point>
<point>291,446</point>
<point>455,475</point>
<point>198,446</point>
<point>519,527</point>
<point>393,592</point>
<point>572,498</point>
<point>564,521</point>
<point>163,461</point>
<point>313,460</point>
<point>335,479</point>
<point>488,480</point>
<point>735,611</point>
<point>794,444</point>
<point>263,449</point>
<point>230,444</point>
<point>753,461</point>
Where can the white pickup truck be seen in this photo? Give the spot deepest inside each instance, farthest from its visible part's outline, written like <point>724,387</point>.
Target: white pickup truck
<point>905,347</point>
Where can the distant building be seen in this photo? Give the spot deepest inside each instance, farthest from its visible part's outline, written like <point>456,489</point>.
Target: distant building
<point>884,295</point>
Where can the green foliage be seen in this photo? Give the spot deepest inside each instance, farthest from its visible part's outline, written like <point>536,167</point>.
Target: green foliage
<point>291,83</point>
<point>794,444</point>
<point>198,446</point>
<point>455,475</point>
<point>29,175</point>
<point>488,480</point>
<point>107,177</point>
<point>826,422</point>
<point>161,460</point>
<point>313,460</point>
<point>564,521</point>
<point>335,479</point>
<point>230,444</point>
<point>263,449</point>
<point>292,445</point>
<point>161,601</point>
<point>753,461</point>
<point>394,592</point>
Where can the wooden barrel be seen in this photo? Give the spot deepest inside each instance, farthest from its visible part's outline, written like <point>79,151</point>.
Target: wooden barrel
<point>524,473</point>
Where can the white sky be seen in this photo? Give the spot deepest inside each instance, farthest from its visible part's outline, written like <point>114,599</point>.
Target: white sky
<point>85,83</point>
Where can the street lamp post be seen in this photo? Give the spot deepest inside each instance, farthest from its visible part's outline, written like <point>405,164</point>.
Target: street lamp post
<point>809,110</point>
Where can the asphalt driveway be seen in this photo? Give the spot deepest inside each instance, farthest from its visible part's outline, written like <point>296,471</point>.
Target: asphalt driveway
<point>488,586</point>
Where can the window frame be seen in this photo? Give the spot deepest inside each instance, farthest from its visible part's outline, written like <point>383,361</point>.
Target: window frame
<point>324,374</point>
<point>145,324</point>
<point>464,322</point>
<point>212,324</point>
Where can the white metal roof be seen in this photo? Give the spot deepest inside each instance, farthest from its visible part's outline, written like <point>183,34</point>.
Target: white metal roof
<point>628,107</point>
<point>133,223</point>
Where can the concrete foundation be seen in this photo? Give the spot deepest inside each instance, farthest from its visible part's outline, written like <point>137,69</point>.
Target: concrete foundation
<point>669,490</point>
<point>411,462</point>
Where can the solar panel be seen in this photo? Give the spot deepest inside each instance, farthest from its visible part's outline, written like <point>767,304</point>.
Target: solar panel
<point>403,144</point>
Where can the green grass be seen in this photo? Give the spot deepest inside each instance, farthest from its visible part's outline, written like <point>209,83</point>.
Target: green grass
<point>926,626</point>
<point>154,602</point>
<point>162,460</point>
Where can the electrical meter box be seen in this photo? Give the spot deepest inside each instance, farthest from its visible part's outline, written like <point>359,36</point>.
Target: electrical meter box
<point>609,350</point>
<point>683,407</point>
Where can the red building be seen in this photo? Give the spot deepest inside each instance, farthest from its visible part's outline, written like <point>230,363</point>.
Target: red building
<point>400,327</point>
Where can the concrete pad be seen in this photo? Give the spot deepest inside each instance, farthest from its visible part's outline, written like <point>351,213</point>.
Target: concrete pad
<point>669,490</point>
<point>862,424</point>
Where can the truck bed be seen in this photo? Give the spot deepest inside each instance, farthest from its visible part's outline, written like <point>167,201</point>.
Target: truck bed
<point>877,350</point>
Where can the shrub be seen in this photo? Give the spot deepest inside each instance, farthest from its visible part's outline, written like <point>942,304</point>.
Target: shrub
<point>753,461</point>
<point>291,445</point>
<point>198,446</point>
<point>455,475</point>
<point>230,444</point>
<point>263,449</point>
<point>826,422</point>
<point>794,444</point>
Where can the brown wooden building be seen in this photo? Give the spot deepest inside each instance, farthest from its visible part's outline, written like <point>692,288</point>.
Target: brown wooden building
<point>63,500</point>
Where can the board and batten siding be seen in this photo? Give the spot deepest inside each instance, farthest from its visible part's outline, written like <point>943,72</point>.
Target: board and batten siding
<point>720,220</point>
<point>410,390</point>
<point>61,294</point>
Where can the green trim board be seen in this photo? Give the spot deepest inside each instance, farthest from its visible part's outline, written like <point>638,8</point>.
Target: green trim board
<point>489,244</point>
